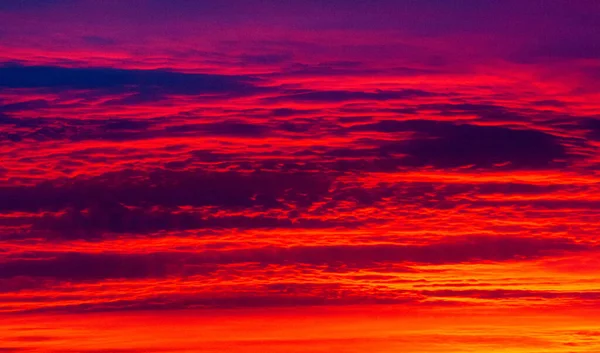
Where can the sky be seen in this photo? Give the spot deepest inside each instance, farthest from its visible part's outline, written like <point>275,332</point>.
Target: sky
<point>299,176</point>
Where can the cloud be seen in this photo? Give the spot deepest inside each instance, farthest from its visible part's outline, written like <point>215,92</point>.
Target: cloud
<point>486,146</point>
<point>90,266</point>
<point>93,222</point>
<point>265,299</point>
<point>448,145</point>
<point>593,128</point>
<point>80,266</point>
<point>126,124</point>
<point>289,160</point>
<point>489,112</point>
<point>265,59</point>
<point>349,96</point>
<point>122,129</point>
<point>451,251</point>
<point>512,294</point>
<point>230,190</point>
<point>549,103</point>
<point>287,112</point>
<point>123,80</point>
<point>224,128</point>
<point>46,129</point>
<point>25,106</point>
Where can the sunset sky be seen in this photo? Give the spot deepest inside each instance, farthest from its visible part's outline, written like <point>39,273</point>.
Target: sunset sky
<point>315,176</point>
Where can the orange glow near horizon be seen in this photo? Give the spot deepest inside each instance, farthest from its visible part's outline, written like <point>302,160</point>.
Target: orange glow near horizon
<point>348,330</point>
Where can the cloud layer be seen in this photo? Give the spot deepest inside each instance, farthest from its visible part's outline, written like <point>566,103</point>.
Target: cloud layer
<point>430,155</point>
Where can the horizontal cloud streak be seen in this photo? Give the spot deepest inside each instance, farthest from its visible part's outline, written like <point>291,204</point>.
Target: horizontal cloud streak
<point>119,80</point>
